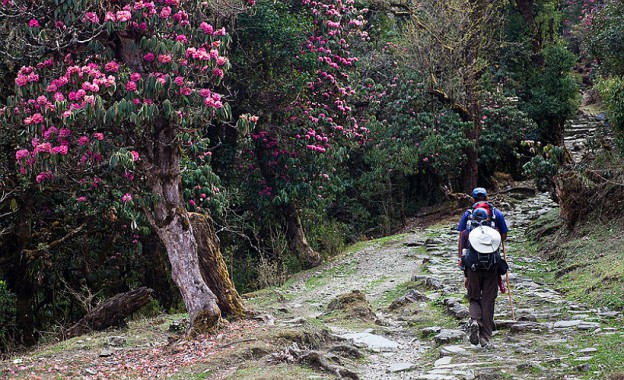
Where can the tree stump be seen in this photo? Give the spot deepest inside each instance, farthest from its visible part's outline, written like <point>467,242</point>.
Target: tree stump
<point>111,312</point>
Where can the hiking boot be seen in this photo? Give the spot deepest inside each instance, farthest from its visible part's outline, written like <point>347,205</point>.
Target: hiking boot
<point>473,329</point>
<point>485,343</point>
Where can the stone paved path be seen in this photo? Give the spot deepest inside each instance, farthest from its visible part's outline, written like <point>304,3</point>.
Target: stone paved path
<point>530,347</point>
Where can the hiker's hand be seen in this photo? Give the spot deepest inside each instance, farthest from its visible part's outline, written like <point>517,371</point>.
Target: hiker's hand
<point>459,263</point>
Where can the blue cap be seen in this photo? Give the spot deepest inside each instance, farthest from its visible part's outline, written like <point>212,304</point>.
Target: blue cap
<point>479,192</point>
<point>480,214</point>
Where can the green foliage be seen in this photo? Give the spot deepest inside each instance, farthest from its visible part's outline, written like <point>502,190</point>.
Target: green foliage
<point>504,128</point>
<point>552,94</point>
<point>7,315</point>
<point>544,165</point>
<point>325,235</point>
<point>605,38</point>
<point>612,93</point>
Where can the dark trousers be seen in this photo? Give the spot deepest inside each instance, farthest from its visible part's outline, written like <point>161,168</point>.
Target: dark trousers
<point>482,293</point>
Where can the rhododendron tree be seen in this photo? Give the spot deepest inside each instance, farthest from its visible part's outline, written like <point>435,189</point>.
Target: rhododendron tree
<point>293,71</point>
<point>121,87</point>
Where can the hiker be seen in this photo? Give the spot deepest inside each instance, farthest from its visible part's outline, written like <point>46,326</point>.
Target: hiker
<point>482,278</point>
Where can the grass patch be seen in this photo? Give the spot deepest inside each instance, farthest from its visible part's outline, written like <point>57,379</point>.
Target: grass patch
<point>280,371</point>
<point>392,294</point>
<point>382,242</point>
<point>607,359</point>
<point>330,275</point>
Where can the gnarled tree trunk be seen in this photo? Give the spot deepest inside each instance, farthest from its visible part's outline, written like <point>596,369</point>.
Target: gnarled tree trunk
<point>526,9</point>
<point>296,238</point>
<point>213,267</point>
<point>295,235</point>
<point>19,274</point>
<point>171,221</point>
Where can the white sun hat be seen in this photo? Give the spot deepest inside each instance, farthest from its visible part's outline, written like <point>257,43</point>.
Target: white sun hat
<point>484,239</point>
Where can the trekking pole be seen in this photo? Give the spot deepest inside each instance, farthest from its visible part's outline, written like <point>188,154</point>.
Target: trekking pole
<point>513,314</point>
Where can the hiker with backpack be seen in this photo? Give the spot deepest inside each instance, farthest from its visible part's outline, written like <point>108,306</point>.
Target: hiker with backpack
<point>482,230</point>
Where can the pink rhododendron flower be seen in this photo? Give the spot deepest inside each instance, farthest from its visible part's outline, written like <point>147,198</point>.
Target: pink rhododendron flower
<point>164,58</point>
<point>22,153</point>
<point>64,133</point>
<point>90,99</point>
<point>135,155</point>
<point>111,66</point>
<point>59,97</point>
<point>91,17</point>
<point>21,80</point>
<point>207,28</point>
<point>186,91</point>
<point>50,132</point>
<point>99,136</point>
<point>181,38</point>
<point>149,57</point>
<point>43,176</point>
<point>123,16</point>
<point>37,118</point>
<point>165,12</point>
<point>135,77</point>
<point>131,86</point>
<point>33,23</point>
<point>61,149</point>
<point>179,80</point>
<point>110,16</point>
<point>81,199</point>
<point>83,140</point>
<point>126,197</point>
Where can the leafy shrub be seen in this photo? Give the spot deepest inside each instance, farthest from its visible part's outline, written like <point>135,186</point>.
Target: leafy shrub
<point>544,165</point>
<point>612,92</point>
<point>7,314</point>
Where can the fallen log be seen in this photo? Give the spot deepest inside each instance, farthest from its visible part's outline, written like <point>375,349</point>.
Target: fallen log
<point>111,312</point>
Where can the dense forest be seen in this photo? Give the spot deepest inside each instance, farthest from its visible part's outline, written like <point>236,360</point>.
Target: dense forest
<point>207,149</point>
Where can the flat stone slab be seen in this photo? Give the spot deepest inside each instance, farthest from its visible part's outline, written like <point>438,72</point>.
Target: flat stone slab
<point>453,350</point>
<point>401,367</point>
<point>372,341</point>
<point>448,336</point>
<point>444,361</point>
<point>566,324</point>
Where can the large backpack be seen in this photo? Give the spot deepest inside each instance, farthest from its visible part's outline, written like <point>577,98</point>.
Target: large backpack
<point>482,258</point>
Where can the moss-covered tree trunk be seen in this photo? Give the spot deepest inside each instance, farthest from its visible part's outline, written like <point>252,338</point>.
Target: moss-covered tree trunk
<point>213,267</point>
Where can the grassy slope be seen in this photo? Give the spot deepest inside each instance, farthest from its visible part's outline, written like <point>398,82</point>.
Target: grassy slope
<point>587,265</point>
